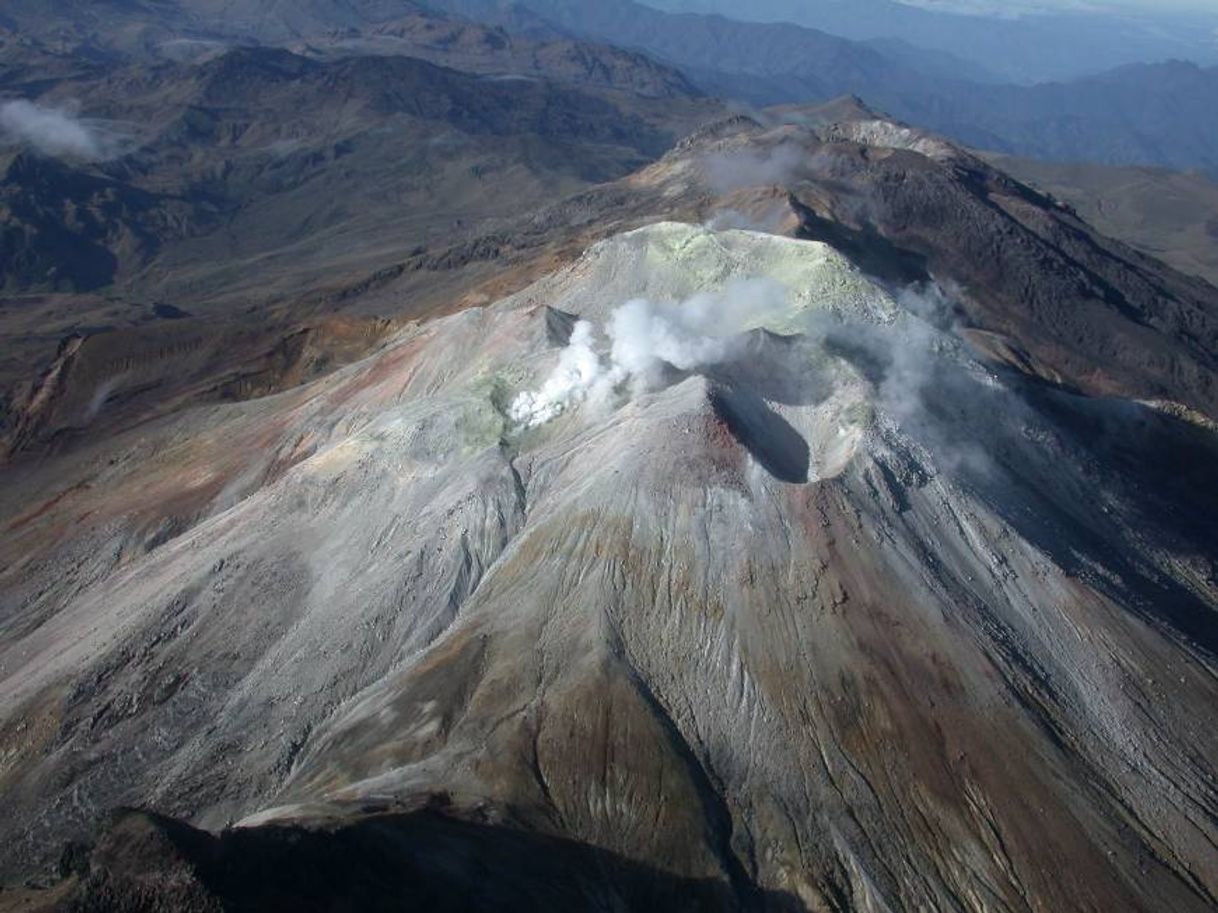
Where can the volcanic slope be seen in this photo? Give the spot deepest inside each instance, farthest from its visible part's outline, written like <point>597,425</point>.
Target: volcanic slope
<point>703,573</point>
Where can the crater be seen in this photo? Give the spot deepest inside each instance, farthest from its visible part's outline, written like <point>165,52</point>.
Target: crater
<point>767,436</point>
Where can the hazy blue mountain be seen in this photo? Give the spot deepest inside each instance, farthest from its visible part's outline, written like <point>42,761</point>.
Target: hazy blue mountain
<point>1141,114</point>
<point>1028,48</point>
<point>932,62</point>
<point>1155,114</point>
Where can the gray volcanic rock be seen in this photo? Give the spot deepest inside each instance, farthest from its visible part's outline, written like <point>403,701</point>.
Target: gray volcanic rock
<point>811,609</point>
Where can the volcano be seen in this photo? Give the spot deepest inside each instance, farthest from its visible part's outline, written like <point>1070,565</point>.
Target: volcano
<point>876,572</point>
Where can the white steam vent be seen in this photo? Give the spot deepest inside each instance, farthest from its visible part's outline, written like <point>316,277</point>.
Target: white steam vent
<point>578,370</point>
<point>644,337</point>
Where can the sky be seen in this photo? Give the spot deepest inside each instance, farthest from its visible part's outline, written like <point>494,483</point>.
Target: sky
<point>1015,7</point>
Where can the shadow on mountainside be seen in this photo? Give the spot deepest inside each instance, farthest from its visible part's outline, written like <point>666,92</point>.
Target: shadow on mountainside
<point>421,860</point>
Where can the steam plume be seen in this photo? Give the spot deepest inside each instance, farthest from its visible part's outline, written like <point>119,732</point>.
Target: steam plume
<point>732,170</point>
<point>578,368</point>
<point>646,337</point>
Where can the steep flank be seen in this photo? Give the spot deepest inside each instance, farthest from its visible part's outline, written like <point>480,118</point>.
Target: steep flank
<point>807,577</point>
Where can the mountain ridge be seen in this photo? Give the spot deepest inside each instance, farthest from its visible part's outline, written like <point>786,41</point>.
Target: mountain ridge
<point>766,64</point>
<point>1043,46</point>
<point>773,63</point>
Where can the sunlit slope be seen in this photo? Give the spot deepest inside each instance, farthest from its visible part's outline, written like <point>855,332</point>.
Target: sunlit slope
<point>831,613</point>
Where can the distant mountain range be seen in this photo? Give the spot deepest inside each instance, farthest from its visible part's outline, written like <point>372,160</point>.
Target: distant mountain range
<point>255,189</point>
<point>1038,47</point>
<point>322,148</point>
<point>1156,114</point>
<point>1151,114</point>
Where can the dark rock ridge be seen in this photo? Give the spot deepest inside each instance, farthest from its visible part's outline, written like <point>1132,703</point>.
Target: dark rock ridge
<point>258,190</point>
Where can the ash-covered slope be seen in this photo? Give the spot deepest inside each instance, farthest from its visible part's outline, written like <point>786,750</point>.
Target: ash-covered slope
<point>704,573</point>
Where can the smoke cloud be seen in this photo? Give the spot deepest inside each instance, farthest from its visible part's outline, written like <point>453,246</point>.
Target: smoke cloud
<point>52,132</point>
<point>925,385</point>
<point>645,340</point>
